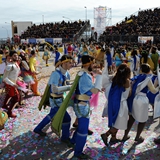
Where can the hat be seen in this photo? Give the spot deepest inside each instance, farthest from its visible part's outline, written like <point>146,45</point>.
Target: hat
<point>87,60</point>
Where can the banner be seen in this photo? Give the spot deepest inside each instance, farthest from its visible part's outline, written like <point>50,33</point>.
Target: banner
<point>57,40</point>
<point>49,40</point>
<point>32,41</point>
<point>24,41</point>
<point>42,40</point>
<point>144,39</point>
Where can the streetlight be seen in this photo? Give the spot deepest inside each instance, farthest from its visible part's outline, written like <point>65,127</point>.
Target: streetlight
<point>67,18</point>
<point>85,12</point>
<point>86,19</point>
<point>43,19</point>
<point>6,31</point>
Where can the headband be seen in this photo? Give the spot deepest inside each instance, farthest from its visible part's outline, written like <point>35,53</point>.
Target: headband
<point>89,63</point>
<point>61,62</point>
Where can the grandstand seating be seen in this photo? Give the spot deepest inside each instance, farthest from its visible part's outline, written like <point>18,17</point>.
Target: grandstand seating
<point>145,23</point>
<point>64,30</point>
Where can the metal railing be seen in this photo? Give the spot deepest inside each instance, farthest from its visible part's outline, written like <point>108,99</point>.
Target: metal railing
<point>82,30</point>
<point>125,39</point>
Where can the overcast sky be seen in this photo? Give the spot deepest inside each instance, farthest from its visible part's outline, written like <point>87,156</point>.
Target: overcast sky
<point>54,10</point>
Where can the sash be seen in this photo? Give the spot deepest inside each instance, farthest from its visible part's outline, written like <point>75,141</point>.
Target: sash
<point>56,124</point>
<point>157,99</point>
<point>137,80</point>
<point>114,100</point>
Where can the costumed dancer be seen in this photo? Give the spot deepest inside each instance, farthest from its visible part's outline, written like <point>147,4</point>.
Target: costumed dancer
<point>138,102</point>
<point>83,92</point>
<point>10,78</point>
<point>134,62</point>
<point>100,57</point>
<point>25,70</point>
<point>69,49</point>
<point>57,55</point>
<point>151,96</point>
<point>117,110</point>
<point>109,60</point>
<point>93,103</point>
<point>147,59</point>
<point>33,66</point>
<point>118,57</point>
<point>154,57</point>
<point>85,50</point>
<point>56,88</point>
<point>46,55</point>
<point>157,106</point>
<point>75,58</point>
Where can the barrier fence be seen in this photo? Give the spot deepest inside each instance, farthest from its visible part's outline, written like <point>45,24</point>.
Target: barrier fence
<point>128,38</point>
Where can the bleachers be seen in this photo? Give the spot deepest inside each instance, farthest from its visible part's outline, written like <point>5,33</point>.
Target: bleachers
<point>65,30</point>
<point>145,23</point>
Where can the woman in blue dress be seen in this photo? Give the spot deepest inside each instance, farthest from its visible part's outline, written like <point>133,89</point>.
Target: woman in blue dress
<point>117,107</point>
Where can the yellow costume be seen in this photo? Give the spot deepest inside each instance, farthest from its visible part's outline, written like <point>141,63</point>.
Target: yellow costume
<point>149,61</point>
<point>32,65</point>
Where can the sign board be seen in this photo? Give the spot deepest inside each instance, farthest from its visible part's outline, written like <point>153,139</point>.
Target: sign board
<point>144,39</point>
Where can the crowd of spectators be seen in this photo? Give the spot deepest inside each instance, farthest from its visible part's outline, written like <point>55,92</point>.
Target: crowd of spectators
<point>146,23</point>
<point>54,30</point>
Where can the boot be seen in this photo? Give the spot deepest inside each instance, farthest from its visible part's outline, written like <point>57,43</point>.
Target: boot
<point>10,113</point>
<point>34,88</point>
<point>41,125</point>
<point>14,103</point>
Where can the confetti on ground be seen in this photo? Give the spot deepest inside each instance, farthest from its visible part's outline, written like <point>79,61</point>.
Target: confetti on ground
<point>17,140</point>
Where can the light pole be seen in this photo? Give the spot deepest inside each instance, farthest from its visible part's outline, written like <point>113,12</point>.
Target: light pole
<point>6,31</point>
<point>66,18</point>
<point>86,19</point>
<point>43,19</point>
<point>85,12</point>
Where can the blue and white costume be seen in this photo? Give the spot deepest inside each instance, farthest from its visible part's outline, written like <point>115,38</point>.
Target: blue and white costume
<point>116,108</point>
<point>135,64</point>
<point>82,108</point>
<point>56,82</point>
<point>150,95</point>
<point>138,102</point>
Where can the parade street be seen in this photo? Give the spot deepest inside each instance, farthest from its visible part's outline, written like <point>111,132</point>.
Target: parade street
<point>19,142</point>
